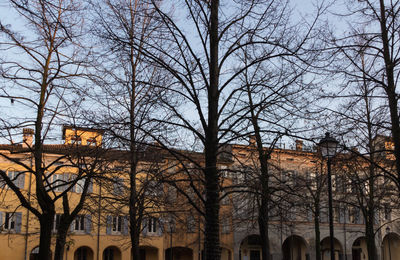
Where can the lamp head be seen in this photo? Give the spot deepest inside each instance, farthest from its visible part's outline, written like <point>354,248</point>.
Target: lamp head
<point>328,146</point>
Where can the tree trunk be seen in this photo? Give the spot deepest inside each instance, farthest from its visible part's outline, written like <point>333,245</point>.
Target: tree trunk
<point>391,90</point>
<point>46,225</point>
<point>61,239</point>
<point>134,230</point>
<point>317,234</point>
<point>370,235</point>
<point>263,225</point>
<point>212,243</point>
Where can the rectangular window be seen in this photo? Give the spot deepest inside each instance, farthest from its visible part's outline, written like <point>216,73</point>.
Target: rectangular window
<point>79,186</point>
<point>388,212</point>
<point>58,183</point>
<point>226,228</point>
<point>17,177</point>
<point>118,186</point>
<point>56,222</point>
<point>191,224</point>
<point>152,225</point>
<point>9,221</point>
<point>80,223</point>
<point>171,194</point>
<point>117,223</point>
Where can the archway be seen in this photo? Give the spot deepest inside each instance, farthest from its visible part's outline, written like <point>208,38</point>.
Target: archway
<point>178,253</point>
<point>225,254</point>
<point>326,249</point>
<point>34,255</point>
<point>359,249</point>
<point>83,253</point>
<point>294,248</point>
<point>148,253</point>
<point>250,248</point>
<point>391,246</point>
<point>112,253</point>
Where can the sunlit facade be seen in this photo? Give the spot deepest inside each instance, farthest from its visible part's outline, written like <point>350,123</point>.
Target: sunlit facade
<point>174,229</point>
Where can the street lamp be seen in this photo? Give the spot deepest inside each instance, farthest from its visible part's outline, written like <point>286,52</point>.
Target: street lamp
<point>328,146</point>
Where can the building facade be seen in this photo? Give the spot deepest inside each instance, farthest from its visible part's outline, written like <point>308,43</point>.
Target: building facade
<point>172,228</point>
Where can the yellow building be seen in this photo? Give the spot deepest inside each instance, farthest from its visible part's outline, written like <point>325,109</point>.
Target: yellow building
<point>172,228</point>
<point>101,229</point>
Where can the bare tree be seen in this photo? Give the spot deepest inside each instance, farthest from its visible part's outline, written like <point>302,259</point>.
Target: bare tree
<point>38,70</point>
<point>206,65</point>
<point>126,91</point>
<point>368,53</point>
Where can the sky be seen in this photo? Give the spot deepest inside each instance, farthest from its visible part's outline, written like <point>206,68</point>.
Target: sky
<point>9,16</point>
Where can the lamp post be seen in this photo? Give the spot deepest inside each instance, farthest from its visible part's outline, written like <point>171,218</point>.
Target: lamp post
<point>328,146</point>
<point>387,233</point>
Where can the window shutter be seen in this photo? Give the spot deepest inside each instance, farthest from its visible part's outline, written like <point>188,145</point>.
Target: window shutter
<point>71,178</point>
<point>357,216</point>
<point>125,225</point>
<point>160,228</point>
<point>88,224</point>
<point>18,222</point>
<point>309,213</point>
<point>90,188</point>
<point>144,223</point>
<point>72,226</point>
<point>342,213</point>
<point>108,225</point>
<point>324,215</point>
<point>1,219</point>
<point>21,180</point>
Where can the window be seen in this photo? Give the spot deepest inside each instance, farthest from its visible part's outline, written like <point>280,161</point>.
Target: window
<point>117,223</point>
<point>311,180</point>
<point>336,214</point>
<point>79,186</point>
<point>355,216</point>
<point>152,225</point>
<point>153,189</point>
<point>340,184</point>
<point>79,223</point>
<point>56,222</point>
<point>171,194</point>
<point>17,177</point>
<point>191,224</point>
<point>9,221</point>
<point>118,186</point>
<point>226,228</point>
<point>58,183</point>
<point>309,212</point>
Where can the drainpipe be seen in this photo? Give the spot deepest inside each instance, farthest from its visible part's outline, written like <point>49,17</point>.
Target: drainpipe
<point>98,225</point>
<point>27,214</point>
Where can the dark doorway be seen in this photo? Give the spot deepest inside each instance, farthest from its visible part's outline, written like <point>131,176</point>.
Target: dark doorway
<point>255,255</point>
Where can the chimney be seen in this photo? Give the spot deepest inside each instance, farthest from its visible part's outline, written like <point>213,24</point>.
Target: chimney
<point>27,137</point>
<point>252,140</point>
<point>299,145</point>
